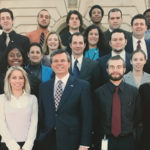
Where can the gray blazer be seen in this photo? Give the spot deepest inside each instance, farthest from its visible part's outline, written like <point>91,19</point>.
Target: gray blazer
<point>128,78</point>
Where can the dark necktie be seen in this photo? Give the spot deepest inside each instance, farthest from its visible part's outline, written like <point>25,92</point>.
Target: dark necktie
<point>42,39</point>
<point>58,93</point>
<point>116,114</point>
<point>7,39</point>
<point>138,45</point>
<point>76,69</point>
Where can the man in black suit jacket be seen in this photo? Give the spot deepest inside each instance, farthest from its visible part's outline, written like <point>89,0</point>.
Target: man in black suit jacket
<point>117,42</point>
<point>88,69</point>
<point>7,19</point>
<point>64,125</point>
<point>114,21</point>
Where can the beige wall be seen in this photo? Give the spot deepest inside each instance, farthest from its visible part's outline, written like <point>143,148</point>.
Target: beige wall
<point>25,11</point>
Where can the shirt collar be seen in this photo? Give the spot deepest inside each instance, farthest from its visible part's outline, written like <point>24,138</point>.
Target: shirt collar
<point>121,54</point>
<point>40,30</point>
<point>79,59</point>
<point>135,39</point>
<point>112,86</point>
<point>64,79</point>
<point>14,97</point>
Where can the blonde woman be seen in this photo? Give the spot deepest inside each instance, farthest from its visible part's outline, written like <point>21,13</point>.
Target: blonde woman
<point>18,112</point>
<point>52,42</point>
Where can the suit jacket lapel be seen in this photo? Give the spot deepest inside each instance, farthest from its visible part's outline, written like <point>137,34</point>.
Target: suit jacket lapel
<point>84,68</point>
<point>66,93</point>
<point>51,93</point>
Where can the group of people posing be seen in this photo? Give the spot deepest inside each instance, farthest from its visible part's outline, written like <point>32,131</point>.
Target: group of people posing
<point>83,89</point>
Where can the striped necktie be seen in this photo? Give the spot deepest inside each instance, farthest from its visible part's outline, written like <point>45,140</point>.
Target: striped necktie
<point>42,39</point>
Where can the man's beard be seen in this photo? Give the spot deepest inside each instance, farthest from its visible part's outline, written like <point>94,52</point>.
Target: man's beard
<point>115,78</point>
<point>43,26</point>
<point>118,51</point>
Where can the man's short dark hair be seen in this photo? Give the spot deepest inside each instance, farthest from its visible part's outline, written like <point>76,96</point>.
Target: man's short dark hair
<point>114,10</point>
<point>138,16</point>
<point>117,57</point>
<point>117,31</point>
<point>7,10</point>
<point>76,13</point>
<point>59,51</point>
<point>147,10</point>
<point>76,34</point>
<point>96,6</point>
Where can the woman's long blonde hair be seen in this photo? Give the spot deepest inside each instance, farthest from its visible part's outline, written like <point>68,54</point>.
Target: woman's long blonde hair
<point>7,86</point>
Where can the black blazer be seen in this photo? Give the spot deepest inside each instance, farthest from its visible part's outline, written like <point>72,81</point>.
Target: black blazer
<point>90,72</point>
<point>73,118</point>
<point>103,61</point>
<point>20,40</point>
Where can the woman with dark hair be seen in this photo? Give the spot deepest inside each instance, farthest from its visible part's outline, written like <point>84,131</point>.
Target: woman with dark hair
<point>14,56</point>
<point>43,73</point>
<point>95,43</point>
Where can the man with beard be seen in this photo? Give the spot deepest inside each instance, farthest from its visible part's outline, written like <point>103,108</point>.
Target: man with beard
<point>117,110</point>
<point>117,42</point>
<point>38,35</point>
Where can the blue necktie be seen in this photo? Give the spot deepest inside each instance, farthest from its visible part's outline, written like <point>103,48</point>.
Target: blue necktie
<point>76,69</point>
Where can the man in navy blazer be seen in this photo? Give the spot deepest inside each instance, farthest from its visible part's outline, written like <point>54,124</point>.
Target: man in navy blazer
<point>67,126</point>
<point>139,26</point>
<point>117,42</point>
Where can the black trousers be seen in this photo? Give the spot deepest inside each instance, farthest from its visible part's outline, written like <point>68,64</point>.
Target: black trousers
<point>4,147</point>
<point>120,143</point>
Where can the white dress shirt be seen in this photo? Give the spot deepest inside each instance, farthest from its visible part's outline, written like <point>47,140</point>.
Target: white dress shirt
<point>18,120</point>
<point>121,54</point>
<point>79,64</point>
<point>143,45</point>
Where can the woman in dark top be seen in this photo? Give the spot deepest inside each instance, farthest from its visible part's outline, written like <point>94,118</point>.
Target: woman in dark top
<point>144,91</point>
<point>40,71</point>
<point>14,57</point>
<point>95,43</point>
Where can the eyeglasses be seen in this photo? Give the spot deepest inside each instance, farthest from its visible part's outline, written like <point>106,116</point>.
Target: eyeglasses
<point>115,67</point>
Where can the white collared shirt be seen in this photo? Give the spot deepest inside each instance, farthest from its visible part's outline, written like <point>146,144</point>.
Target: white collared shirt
<point>64,82</point>
<point>143,44</point>
<point>79,64</point>
<point>121,54</point>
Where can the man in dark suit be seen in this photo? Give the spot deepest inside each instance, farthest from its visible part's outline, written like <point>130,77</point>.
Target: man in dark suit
<point>114,20</point>
<point>87,69</point>
<point>65,109</point>
<point>139,26</point>
<point>117,42</point>
<point>9,35</point>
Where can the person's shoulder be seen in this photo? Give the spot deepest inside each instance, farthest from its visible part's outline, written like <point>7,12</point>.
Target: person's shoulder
<point>130,88</point>
<point>31,32</point>
<point>78,81</point>
<point>102,88</point>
